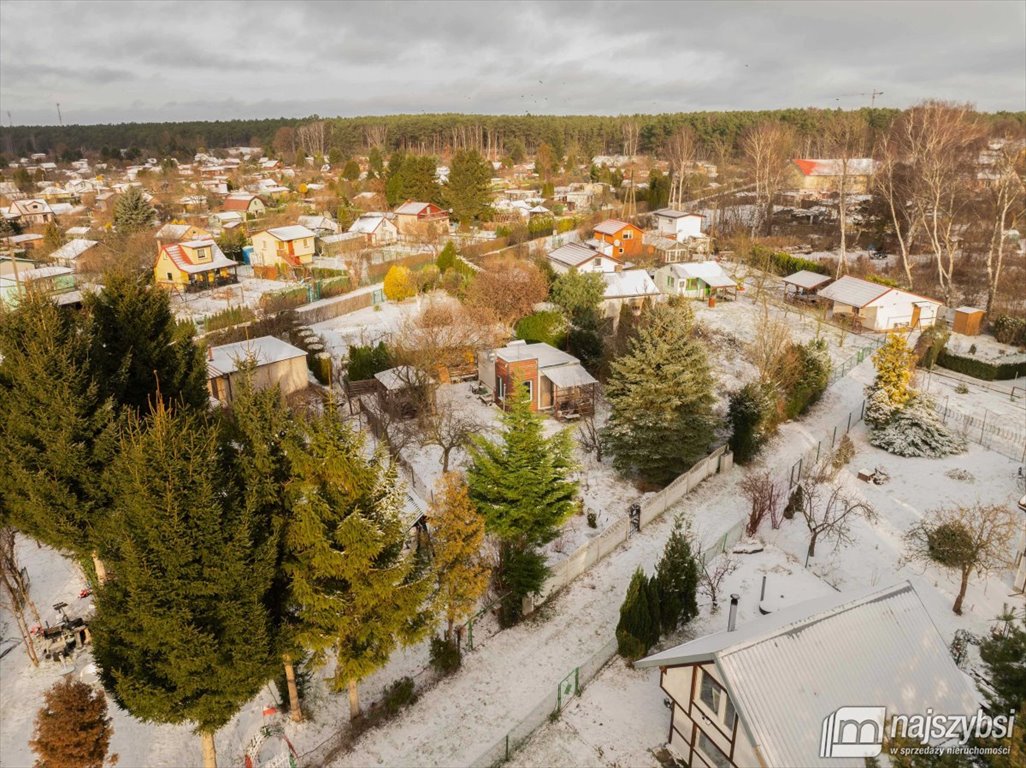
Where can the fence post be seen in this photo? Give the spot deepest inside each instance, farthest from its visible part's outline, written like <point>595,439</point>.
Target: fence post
<point>983,426</point>
<point>507,746</point>
<point>849,424</point>
<point>470,634</point>
<point>833,438</point>
<point>577,681</point>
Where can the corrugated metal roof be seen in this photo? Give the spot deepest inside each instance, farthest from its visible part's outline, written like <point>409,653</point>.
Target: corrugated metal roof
<point>806,279</point>
<point>293,232</point>
<point>853,291</point>
<point>573,254</point>
<point>72,249</point>
<point>787,671</point>
<point>628,284</point>
<point>569,376</point>
<point>611,226</point>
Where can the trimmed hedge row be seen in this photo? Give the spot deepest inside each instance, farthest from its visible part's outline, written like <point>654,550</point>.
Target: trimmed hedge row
<point>979,369</point>
<point>784,264</point>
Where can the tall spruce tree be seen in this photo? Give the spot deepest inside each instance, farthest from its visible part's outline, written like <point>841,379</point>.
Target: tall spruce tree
<point>138,349</point>
<point>262,437</point>
<point>638,627</point>
<point>356,590</point>
<point>676,580</point>
<point>467,192</point>
<point>521,484</point>
<point>182,633</point>
<point>661,396</point>
<point>132,212</point>
<point>59,431</point>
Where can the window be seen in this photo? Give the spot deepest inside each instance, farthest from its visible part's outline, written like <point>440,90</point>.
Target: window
<point>717,701</point>
<point>669,282</point>
<point>169,277</point>
<point>692,284</point>
<point>620,251</point>
<point>530,390</point>
<point>711,753</point>
<point>627,234</point>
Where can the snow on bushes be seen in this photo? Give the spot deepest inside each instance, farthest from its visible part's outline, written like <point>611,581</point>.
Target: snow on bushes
<point>916,430</point>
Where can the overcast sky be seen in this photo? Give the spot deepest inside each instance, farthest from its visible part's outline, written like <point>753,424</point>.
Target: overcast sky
<point>150,61</point>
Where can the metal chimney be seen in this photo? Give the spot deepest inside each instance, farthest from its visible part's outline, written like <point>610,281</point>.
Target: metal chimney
<point>732,616</point>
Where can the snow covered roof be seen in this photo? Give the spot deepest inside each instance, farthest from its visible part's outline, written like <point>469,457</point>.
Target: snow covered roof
<point>709,272</point>
<point>611,226</point>
<point>264,350</point>
<point>628,284</point>
<point>72,250</point>
<point>545,354</point>
<point>40,273</point>
<point>875,647</point>
<point>319,221</point>
<point>172,231</point>
<point>573,254</point>
<point>806,279</point>
<point>670,213</point>
<point>412,208</point>
<point>853,291</point>
<point>292,232</point>
<point>368,223</point>
<point>572,375</point>
<point>401,377</point>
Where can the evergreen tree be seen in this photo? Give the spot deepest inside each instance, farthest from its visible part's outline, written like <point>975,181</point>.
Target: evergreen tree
<point>351,171</point>
<point>916,429</point>
<point>53,237</point>
<point>578,293</point>
<point>231,242</point>
<point>522,486</point>
<point>447,258</point>
<point>461,571</point>
<point>749,412</point>
<point>261,437</point>
<point>676,580</point>
<point>182,632</point>
<point>661,398</point>
<point>59,432</point>
<point>139,351</point>
<point>132,212</point>
<point>356,589</point>
<point>1003,653</point>
<point>638,628</point>
<point>468,191</point>
<point>895,363</point>
<point>72,729</point>
<point>375,162</point>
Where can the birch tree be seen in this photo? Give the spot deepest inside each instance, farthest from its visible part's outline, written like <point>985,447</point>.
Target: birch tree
<point>768,148</point>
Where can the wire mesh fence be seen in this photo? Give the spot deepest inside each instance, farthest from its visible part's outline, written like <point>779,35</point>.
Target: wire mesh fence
<point>823,448</point>
<point>986,430</point>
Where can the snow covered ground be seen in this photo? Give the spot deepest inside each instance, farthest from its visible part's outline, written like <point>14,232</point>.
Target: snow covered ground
<point>246,293</point>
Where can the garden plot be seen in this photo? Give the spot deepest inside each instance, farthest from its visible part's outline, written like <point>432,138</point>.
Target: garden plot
<point>366,326</point>
<point>997,411</point>
<point>246,293</point>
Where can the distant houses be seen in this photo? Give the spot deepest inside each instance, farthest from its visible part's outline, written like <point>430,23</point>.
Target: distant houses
<point>247,204</point>
<point>825,175</point>
<point>377,228</point>
<point>582,258</point>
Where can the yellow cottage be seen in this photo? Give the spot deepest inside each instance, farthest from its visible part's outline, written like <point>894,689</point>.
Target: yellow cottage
<point>193,265</point>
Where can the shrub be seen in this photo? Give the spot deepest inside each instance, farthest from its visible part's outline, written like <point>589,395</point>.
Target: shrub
<point>335,286</point>
<point>279,301</point>
<point>980,369</point>
<point>844,453</point>
<point>814,363</point>
<point>399,284</point>
<point>638,628</point>
<point>446,656</point>
<point>961,388</point>
<point>917,430</point>
<point>547,326</point>
<point>1009,330</point>
<point>749,413</point>
<point>447,258</point>
<point>402,693</point>
<point>426,277</point>
<point>320,364</point>
<point>226,318</point>
<point>794,503</point>
<point>364,362</point>
<point>781,263</point>
<point>592,520</point>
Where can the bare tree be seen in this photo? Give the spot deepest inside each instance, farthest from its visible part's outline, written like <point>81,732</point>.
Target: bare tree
<point>966,539</point>
<point>827,508</point>
<point>681,151</point>
<point>895,182</point>
<point>631,135</point>
<point>711,580</point>
<point>770,350</point>
<point>16,596</point>
<point>1004,191</point>
<point>449,427</point>
<point>769,147</point>
<point>765,497</point>
<point>942,140</point>
<point>847,141</point>
<point>588,436</point>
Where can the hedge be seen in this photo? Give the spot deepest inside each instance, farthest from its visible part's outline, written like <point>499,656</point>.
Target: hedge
<point>979,369</point>
<point>784,264</point>
<point>226,318</point>
<point>1009,330</point>
<point>290,298</point>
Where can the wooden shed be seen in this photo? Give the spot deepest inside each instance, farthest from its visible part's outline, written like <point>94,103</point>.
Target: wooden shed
<point>968,321</point>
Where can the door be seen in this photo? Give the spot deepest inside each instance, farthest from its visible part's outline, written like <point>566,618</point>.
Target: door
<point>915,316</point>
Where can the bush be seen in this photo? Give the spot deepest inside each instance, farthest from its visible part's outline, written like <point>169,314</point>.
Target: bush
<point>917,430</point>
<point>781,263</point>
<point>226,318</point>
<point>335,286</point>
<point>638,628</point>
<point>399,284</point>
<point>402,693</point>
<point>750,414</point>
<point>844,453</point>
<point>794,503</point>
<point>279,301</point>
<point>548,326</point>
<point>1009,330</point>
<point>364,362</point>
<point>592,519</point>
<point>447,258</point>
<point>320,364</point>
<point>809,387</point>
<point>979,369</point>
<point>446,656</point>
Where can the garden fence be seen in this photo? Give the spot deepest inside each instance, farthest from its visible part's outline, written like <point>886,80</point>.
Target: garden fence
<point>986,430</point>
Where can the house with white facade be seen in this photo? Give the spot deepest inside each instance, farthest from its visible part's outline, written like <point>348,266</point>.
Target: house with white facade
<point>874,307</point>
<point>696,280</point>
<point>583,258</point>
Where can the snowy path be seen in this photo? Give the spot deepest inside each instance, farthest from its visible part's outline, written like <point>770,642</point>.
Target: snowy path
<point>461,717</point>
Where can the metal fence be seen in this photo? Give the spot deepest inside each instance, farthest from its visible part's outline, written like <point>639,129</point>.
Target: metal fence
<point>824,446</point>
<point>986,431</point>
<point>838,372</point>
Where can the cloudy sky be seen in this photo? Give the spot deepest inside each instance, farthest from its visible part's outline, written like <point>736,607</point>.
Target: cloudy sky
<point>122,61</point>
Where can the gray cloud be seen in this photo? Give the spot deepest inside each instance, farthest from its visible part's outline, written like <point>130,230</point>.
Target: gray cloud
<point>118,61</point>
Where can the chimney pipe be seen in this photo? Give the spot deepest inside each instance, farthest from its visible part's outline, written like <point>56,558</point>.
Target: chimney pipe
<point>762,593</point>
<point>732,617</point>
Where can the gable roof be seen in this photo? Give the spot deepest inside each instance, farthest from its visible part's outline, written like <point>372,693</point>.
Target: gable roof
<point>413,208</point>
<point>292,232</point>
<point>875,647</point>
<point>72,249</point>
<point>181,259</point>
<point>853,291</point>
<point>573,254</point>
<point>857,166</point>
<point>264,350</point>
<point>239,202</point>
<point>629,283</point>
<point>611,226</point>
<point>709,272</point>
<point>368,223</point>
<point>806,279</point>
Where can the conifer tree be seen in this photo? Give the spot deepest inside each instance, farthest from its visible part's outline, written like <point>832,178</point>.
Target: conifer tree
<point>262,438</point>
<point>447,258</point>
<point>356,590</point>
<point>138,350</point>
<point>661,398</point>
<point>676,580</point>
<point>895,364</point>
<point>182,633</point>
<point>461,570</point>
<point>638,629</point>
<point>59,432</point>
<point>132,212</point>
<point>522,486</point>
<point>72,729</point>
<point>467,191</point>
